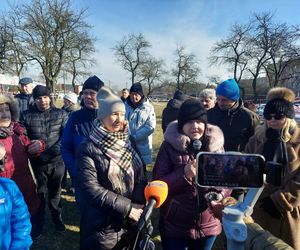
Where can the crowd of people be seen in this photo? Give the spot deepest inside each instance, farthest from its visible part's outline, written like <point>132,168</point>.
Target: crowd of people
<point>104,142</point>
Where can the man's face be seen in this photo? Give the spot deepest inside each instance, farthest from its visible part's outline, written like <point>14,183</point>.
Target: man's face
<point>89,98</point>
<point>135,97</point>
<point>125,94</point>
<point>224,103</point>
<point>27,88</point>
<point>42,103</point>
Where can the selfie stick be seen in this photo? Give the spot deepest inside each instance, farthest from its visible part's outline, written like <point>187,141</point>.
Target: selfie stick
<point>233,224</point>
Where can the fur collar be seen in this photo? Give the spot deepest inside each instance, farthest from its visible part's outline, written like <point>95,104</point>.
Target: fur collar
<point>180,141</point>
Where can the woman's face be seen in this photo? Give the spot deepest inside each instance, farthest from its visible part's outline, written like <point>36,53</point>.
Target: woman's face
<point>114,122</point>
<point>194,129</point>
<point>275,121</point>
<point>5,115</point>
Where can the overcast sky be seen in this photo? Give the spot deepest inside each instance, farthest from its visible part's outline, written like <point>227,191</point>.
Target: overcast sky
<point>194,24</point>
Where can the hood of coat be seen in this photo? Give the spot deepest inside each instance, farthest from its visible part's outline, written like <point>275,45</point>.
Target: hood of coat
<point>13,105</point>
<point>180,142</point>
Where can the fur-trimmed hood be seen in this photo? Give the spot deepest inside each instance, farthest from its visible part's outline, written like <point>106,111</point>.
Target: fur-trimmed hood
<point>181,142</point>
<point>13,105</point>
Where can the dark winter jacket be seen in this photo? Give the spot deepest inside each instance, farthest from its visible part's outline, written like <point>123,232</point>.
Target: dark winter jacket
<point>77,129</point>
<point>25,101</point>
<point>105,212</point>
<point>15,224</point>
<point>170,112</point>
<point>179,212</point>
<point>238,125</point>
<point>48,126</point>
<point>16,166</point>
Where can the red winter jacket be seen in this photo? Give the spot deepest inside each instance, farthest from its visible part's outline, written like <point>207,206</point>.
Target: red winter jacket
<point>16,165</point>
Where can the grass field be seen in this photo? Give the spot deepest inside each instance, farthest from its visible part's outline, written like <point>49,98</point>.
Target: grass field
<point>69,240</point>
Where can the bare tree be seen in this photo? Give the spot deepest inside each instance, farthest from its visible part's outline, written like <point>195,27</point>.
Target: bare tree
<point>11,60</point>
<point>80,59</point>
<point>259,45</point>
<point>232,50</point>
<point>48,31</point>
<point>283,52</point>
<point>186,70</point>
<point>132,53</point>
<point>151,72</point>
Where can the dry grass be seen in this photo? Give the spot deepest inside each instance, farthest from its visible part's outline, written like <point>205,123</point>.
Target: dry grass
<point>69,240</point>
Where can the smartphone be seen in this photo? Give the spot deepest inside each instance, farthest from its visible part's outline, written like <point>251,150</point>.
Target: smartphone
<point>230,169</point>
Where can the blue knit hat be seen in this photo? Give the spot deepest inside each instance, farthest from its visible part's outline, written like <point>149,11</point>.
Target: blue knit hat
<point>229,89</point>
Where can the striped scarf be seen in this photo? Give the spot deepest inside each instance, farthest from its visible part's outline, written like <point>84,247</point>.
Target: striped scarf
<point>124,161</point>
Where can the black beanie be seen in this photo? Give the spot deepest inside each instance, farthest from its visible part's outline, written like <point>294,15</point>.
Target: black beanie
<point>280,106</point>
<point>191,109</point>
<point>137,88</point>
<point>40,90</point>
<point>93,83</point>
<point>178,95</point>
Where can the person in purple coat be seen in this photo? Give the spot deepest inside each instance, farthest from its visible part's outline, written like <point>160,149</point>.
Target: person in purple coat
<point>187,220</point>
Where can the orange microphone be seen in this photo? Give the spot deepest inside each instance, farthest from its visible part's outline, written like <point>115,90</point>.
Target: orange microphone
<point>156,193</point>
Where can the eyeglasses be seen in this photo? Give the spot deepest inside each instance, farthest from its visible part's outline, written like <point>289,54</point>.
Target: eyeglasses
<point>276,117</point>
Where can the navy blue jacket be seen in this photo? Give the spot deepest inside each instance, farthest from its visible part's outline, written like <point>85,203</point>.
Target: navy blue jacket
<point>77,129</point>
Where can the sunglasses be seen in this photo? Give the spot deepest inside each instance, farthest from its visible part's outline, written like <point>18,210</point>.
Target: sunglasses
<point>276,117</point>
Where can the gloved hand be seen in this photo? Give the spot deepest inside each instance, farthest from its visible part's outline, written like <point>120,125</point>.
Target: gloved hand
<point>268,205</point>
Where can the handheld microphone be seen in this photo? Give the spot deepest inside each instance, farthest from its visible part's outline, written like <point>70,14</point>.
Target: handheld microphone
<point>156,193</point>
<point>197,144</point>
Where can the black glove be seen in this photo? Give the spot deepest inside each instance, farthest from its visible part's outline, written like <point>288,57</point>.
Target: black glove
<point>268,205</point>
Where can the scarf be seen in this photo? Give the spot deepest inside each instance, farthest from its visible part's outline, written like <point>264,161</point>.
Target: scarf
<point>8,131</point>
<point>124,161</point>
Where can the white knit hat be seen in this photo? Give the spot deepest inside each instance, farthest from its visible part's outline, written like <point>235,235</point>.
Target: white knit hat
<point>108,102</point>
<point>72,97</point>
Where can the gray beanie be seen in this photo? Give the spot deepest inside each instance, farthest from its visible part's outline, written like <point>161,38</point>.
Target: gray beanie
<point>108,102</point>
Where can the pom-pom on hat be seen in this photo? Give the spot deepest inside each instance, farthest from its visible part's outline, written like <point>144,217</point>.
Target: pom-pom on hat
<point>40,90</point>
<point>229,89</point>
<point>280,101</point>
<point>93,83</point>
<point>191,109</point>
<point>137,88</point>
<point>108,102</point>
